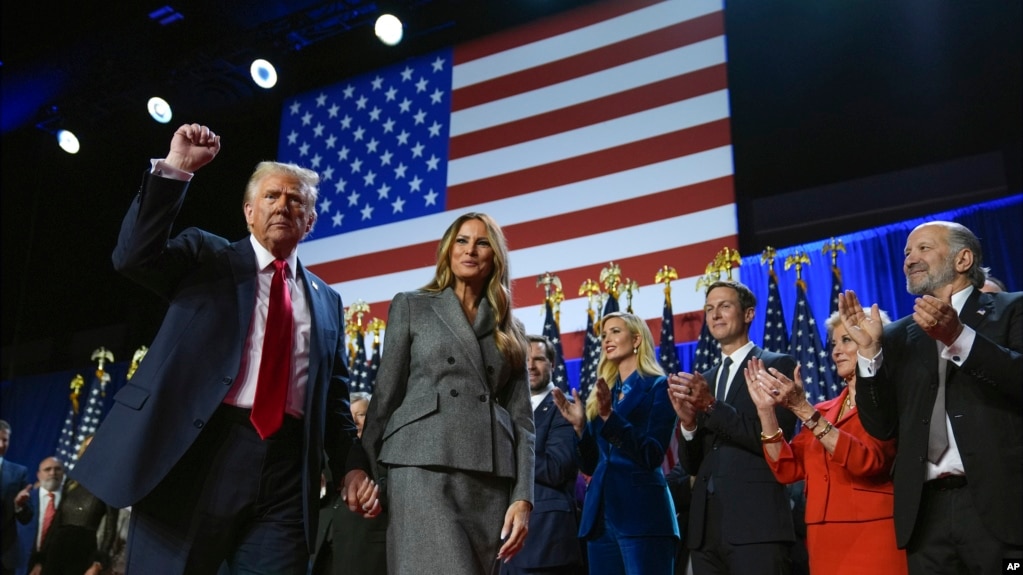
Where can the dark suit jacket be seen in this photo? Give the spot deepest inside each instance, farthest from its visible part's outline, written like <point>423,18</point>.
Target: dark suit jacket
<point>983,399</point>
<point>27,533</point>
<point>623,456</point>
<point>13,478</point>
<point>727,447</point>
<point>210,285</point>
<point>553,525</point>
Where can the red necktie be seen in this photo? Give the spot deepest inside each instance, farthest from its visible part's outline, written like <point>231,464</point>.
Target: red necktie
<point>275,365</point>
<point>51,510</point>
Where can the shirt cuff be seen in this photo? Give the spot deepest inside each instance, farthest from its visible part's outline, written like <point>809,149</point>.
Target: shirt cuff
<point>868,367</point>
<point>686,434</point>
<point>165,170</point>
<point>960,348</point>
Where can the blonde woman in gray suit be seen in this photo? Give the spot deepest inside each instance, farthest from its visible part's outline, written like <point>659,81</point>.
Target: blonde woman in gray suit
<point>450,428</point>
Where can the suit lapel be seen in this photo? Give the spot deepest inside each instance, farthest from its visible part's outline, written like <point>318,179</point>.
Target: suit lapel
<point>543,412</point>
<point>449,312</point>
<point>318,312</point>
<point>242,260</point>
<point>738,380</point>
<point>978,307</point>
<point>640,387</point>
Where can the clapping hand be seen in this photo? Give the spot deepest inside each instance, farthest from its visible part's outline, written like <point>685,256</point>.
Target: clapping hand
<point>572,411</point>
<point>864,329</point>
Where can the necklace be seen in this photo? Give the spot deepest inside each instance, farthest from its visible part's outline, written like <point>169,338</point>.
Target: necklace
<point>847,405</point>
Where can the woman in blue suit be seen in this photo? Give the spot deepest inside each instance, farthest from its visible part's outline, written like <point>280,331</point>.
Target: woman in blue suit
<point>628,517</point>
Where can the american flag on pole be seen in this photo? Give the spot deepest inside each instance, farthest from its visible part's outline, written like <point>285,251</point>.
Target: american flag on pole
<point>708,351</point>
<point>806,347</point>
<point>590,357</point>
<point>598,134</point>
<point>667,353</point>
<point>667,356</point>
<point>776,337</point>
<point>66,451</point>
<point>836,288</point>
<point>359,363</point>
<point>559,374</point>
<point>372,366</point>
<point>92,413</point>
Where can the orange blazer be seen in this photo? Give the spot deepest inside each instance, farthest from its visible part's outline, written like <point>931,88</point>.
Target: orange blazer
<point>854,483</point>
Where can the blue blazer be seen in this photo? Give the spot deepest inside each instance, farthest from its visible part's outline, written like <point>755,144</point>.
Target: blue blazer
<point>210,286</point>
<point>623,456</point>
<point>27,533</point>
<point>13,478</point>
<point>553,524</point>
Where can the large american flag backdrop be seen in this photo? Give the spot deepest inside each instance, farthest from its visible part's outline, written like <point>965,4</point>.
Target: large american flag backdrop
<point>598,135</point>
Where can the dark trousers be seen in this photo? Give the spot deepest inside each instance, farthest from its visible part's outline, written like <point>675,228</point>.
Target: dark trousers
<point>233,498</point>
<point>951,538</point>
<point>719,557</point>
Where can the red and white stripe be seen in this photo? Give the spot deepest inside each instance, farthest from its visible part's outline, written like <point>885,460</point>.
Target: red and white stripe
<point>598,135</point>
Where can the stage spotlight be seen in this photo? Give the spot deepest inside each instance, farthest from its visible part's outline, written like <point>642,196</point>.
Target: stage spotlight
<point>263,73</point>
<point>389,29</point>
<point>159,109</point>
<point>67,141</point>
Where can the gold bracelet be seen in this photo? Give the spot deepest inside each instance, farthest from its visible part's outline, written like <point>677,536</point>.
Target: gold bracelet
<point>827,428</point>
<point>773,438</point>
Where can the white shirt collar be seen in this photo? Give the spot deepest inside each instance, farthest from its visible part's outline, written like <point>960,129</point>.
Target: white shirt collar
<point>536,399</point>
<point>959,298</point>
<point>264,258</point>
<point>741,353</point>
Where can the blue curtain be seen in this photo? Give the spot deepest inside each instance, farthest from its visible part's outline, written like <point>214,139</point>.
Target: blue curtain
<point>871,265</point>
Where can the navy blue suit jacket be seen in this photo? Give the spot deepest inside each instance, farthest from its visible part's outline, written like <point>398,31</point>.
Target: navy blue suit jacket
<point>623,456</point>
<point>553,525</point>
<point>727,447</point>
<point>210,285</point>
<point>13,478</point>
<point>27,533</point>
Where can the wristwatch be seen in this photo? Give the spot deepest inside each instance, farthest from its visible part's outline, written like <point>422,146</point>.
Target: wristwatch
<point>811,423</point>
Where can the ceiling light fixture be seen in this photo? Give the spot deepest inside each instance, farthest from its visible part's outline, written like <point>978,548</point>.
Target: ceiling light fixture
<point>263,73</point>
<point>159,109</point>
<point>389,29</point>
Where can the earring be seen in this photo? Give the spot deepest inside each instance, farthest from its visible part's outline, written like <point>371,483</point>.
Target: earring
<point>635,351</point>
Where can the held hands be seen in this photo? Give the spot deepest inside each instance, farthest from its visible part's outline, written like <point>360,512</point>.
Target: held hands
<point>864,329</point>
<point>572,411</point>
<point>192,147</point>
<point>361,494</point>
<point>937,317</point>
<point>513,533</point>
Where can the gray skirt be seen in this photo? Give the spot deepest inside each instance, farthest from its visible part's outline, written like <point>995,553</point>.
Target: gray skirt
<point>444,521</point>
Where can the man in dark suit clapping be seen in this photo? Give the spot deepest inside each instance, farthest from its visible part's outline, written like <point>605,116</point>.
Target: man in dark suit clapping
<point>945,381</point>
<point>553,543</point>
<point>740,520</point>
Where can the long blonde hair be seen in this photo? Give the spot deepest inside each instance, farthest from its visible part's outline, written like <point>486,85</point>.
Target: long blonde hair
<point>608,370</point>
<point>508,334</point>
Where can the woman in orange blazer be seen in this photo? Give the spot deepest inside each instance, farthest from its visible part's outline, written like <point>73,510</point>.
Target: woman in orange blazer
<point>849,491</point>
